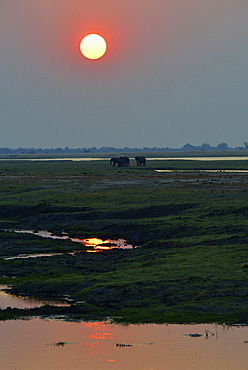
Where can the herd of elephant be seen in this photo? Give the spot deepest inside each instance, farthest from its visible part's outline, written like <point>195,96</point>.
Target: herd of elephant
<point>125,162</point>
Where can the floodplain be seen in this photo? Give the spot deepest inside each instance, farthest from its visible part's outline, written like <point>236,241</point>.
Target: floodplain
<point>188,227</point>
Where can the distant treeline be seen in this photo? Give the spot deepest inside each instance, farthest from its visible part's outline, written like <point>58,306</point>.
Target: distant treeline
<point>105,149</point>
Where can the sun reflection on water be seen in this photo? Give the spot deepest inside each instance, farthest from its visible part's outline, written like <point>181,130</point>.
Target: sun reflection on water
<point>94,244</point>
<point>98,331</point>
<point>97,244</point>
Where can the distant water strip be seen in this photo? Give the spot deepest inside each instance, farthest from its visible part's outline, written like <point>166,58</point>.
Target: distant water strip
<point>241,158</point>
<point>210,171</point>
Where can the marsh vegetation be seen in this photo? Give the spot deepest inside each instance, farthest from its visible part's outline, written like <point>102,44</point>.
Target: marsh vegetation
<point>191,227</point>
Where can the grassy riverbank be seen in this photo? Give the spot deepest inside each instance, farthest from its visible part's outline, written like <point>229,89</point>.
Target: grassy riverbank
<point>191,226</point>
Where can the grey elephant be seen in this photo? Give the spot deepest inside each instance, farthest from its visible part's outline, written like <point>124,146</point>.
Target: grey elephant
<point>119,161</point>
<point>126,161</point>
<point>114,161</point>
<point>140,160</point>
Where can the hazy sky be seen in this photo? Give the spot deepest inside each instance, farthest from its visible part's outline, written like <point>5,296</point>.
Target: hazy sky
<point>176,71</point>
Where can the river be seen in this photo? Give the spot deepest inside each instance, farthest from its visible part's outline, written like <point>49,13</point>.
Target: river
<point>58,345</point>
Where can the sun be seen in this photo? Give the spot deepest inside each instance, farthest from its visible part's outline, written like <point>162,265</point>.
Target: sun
<point>93,46</point>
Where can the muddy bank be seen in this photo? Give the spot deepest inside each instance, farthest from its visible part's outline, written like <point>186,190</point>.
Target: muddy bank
<point>73,313</point>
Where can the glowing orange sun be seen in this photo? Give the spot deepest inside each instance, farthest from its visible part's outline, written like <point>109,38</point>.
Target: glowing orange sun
<point>93,46</point>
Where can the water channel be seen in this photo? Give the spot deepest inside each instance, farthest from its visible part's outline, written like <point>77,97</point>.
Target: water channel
<point>54,344</point>
<point>91,244</point>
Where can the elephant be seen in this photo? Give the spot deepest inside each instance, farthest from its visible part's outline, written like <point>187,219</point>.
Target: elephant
<point>126,161</point>
<point>140,160</point>
<point>114,161</point>
<point>120,161</point>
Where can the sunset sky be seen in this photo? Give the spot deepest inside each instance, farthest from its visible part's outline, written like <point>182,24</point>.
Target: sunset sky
<point>175,72</point>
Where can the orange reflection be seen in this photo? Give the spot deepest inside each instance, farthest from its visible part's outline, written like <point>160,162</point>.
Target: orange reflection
<point>100,335</point>
<point>98,331</point>
<point>97,244</point>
